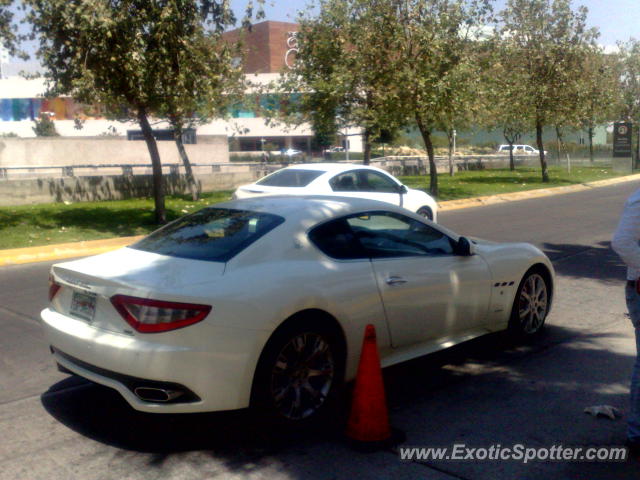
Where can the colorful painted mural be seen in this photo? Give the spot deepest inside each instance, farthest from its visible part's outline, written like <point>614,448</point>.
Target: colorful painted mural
<point>17,109</point>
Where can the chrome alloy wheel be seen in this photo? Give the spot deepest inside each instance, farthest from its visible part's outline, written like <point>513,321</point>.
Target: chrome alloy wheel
<point>533,303</point>
<point>302,376</point>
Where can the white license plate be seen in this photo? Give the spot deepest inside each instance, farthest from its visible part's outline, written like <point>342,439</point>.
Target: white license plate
<point>83,305</point>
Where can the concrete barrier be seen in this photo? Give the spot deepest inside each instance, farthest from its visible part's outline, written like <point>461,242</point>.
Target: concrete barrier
<point>112,187</point>
<point>95,151</point>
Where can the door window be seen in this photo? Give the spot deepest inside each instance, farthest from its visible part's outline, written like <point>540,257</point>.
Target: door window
<point>345,182</point>
<point>387,234</point>
<point>370,181</point>
<point>363,181</point>
<point>337,240</point>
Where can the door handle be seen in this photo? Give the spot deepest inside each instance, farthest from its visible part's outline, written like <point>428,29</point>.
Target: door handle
<point>395,280</point>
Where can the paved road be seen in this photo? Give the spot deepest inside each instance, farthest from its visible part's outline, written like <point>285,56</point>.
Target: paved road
<point>486,392</point>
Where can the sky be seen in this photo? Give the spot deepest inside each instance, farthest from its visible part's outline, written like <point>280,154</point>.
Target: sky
<point>617,20</point>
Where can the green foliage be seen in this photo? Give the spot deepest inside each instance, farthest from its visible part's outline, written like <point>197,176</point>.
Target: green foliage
<point>44,127</point>
<point>629,58</point>
<point>9,135</point>
<point>9,36</point>
<point>341,67</point>
<point>384,65</point>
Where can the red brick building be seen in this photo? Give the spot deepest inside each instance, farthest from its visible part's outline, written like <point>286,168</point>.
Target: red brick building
<point>268,47</point>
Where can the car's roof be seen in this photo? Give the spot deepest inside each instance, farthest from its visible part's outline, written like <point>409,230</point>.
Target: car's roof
<point>331,167</point>
<point>316,207</point>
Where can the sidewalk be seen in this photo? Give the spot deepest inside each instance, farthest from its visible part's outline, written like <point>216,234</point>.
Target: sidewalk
<point>60,251</point>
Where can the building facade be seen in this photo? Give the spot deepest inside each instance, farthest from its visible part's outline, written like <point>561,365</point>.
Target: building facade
<point>269,49</point>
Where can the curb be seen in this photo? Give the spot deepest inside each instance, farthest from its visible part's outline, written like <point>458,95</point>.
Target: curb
<point>17,256</point>
<point>60,251</point>
<point>536,193</point>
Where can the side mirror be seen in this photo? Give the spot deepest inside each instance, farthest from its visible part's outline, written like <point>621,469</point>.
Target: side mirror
<point>464,247</point>
<point>402,189</point>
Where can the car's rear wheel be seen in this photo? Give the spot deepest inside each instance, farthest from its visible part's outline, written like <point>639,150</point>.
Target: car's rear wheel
<point>531,304</point>
<point>299,373</point>
<point>426,212</point>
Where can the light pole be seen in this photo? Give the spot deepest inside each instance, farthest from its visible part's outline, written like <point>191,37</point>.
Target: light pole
<point>454,140</point>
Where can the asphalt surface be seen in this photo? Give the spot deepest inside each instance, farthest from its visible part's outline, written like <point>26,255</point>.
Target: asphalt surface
<point>489,391</point>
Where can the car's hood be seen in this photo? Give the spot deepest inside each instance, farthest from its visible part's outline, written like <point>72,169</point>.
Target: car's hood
<point>482,241</point>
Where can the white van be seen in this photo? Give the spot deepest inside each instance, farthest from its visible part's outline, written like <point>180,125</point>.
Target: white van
<point>520,150</point>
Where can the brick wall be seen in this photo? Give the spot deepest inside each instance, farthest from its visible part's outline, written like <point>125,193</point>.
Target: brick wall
<point>265,46</point>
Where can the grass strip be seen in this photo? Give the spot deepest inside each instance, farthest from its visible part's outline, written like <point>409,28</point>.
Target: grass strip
<point>46,224</point>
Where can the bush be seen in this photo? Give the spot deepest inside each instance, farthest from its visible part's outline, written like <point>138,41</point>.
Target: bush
<point>44,127</point>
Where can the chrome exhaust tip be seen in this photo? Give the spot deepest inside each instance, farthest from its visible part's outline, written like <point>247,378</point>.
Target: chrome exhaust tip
<point>156,395</point>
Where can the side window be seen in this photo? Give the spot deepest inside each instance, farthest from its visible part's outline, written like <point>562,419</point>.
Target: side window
<point>386,234</point>
<point>370,181</point>
<point>345,182</point>
<point>337,240</point>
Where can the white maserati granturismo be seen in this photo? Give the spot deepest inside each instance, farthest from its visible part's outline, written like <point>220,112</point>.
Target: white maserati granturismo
<point>264,302</point>
<point>344,180</point>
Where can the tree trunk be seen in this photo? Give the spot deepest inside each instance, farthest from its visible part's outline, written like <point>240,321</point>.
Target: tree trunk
<point>512,162</point>
<point>158,193</point>
<point>433,173</point>
<point>191,181</point>
<point>590,133</point>
<point>511,137</point>
<point>543,160</point>
<point>367,147</point>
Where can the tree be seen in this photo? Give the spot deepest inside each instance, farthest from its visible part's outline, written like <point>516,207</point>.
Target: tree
<point>340,69</point>
<point>198,78</point>
<point>9,38</point>
<point>548,40</point>
<point>629,58</point>
<point>600,93</point>
<point>502,97</point>
<point>115,52</point>
<point>386,64</point>
<point>434,49</point>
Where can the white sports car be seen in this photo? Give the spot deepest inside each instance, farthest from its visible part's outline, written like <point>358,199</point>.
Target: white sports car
<point>264,302</point>
<point>344,180</point>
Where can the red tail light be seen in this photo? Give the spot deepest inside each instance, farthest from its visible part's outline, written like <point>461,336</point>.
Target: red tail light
<point>152,316</point>
<point>53,287</point>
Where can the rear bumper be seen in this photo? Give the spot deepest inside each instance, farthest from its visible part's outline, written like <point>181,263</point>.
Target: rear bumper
<point>217,377</point>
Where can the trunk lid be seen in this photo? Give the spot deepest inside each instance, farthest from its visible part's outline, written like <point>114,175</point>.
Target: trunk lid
<point>87,285</point>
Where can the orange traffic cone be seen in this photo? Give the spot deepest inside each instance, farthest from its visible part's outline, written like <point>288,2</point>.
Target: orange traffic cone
<point>369,418</point>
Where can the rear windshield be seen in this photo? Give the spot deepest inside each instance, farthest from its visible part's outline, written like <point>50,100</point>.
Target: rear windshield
<point>213,234</point>
<point>290,177</point>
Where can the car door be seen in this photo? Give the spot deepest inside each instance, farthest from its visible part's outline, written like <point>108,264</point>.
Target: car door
<point>364,183</point>
<point>428,291</point>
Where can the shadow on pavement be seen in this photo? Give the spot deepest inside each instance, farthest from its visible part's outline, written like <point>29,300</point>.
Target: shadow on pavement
<point>598,262</point>
<point>489,390</point>
<point>102,414</point>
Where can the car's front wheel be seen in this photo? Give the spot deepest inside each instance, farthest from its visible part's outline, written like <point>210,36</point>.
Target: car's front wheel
<point>426,212</point>
<point>299,373</point>
<point>531,304</point>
